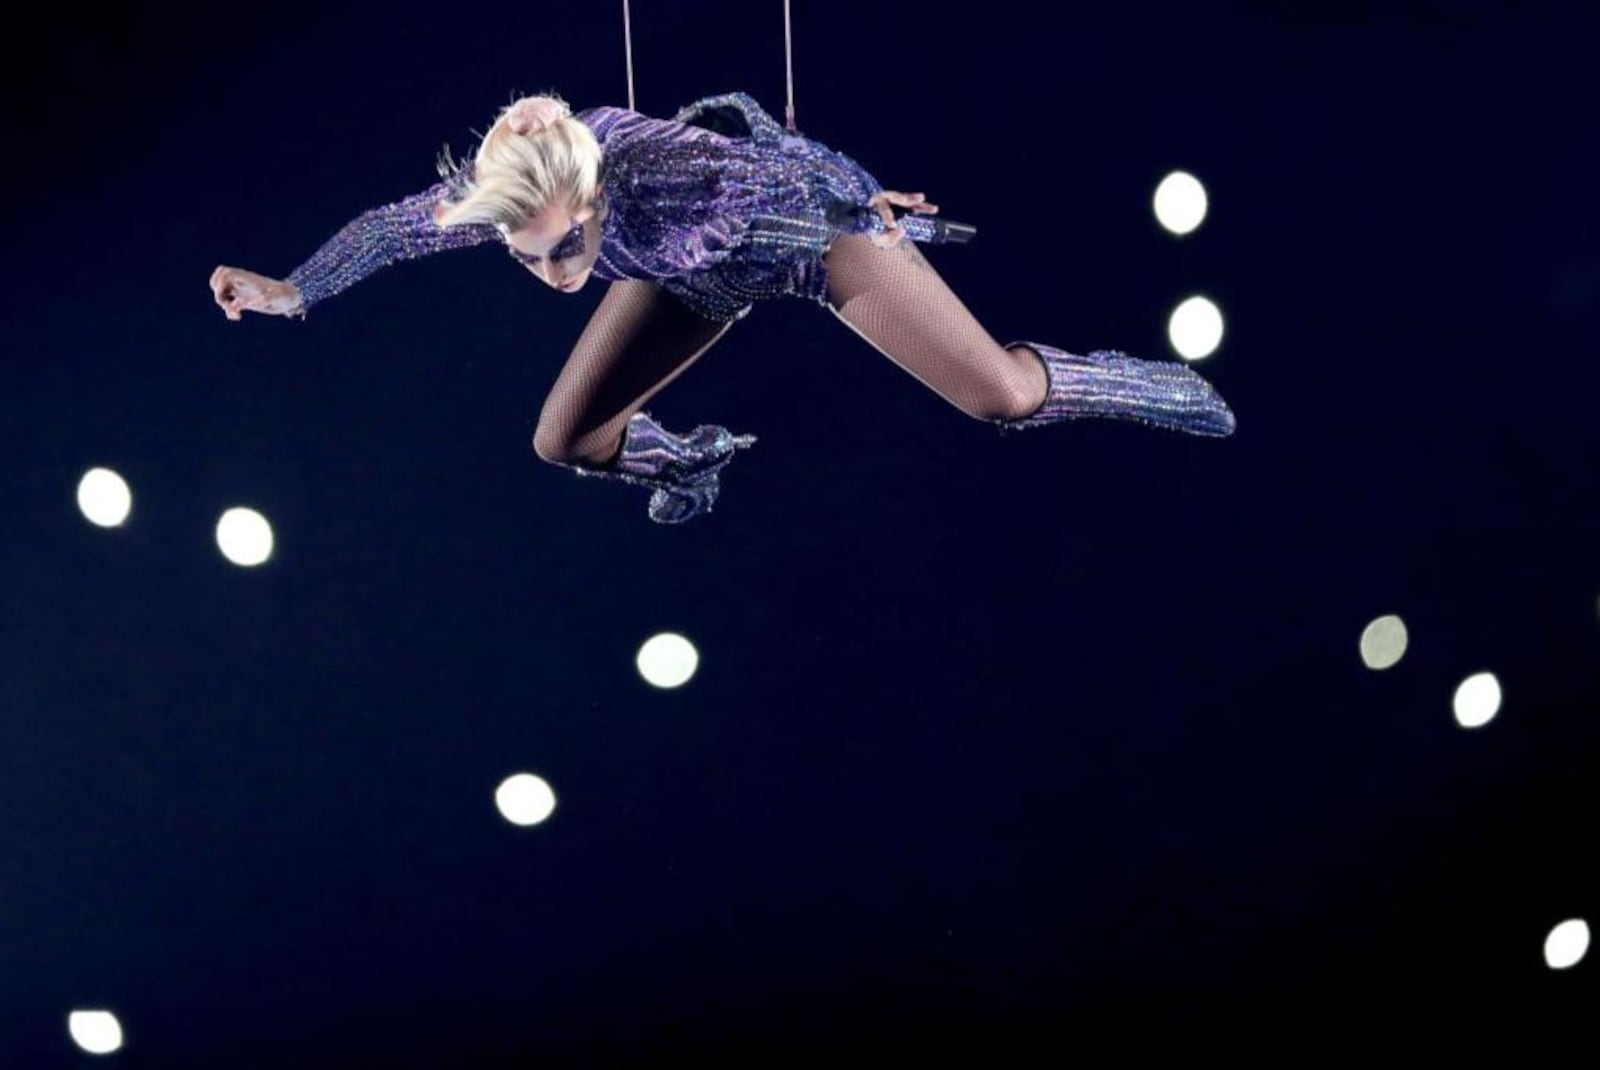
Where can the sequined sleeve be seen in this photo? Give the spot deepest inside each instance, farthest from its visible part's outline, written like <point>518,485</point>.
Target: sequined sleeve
<point>400,231</point>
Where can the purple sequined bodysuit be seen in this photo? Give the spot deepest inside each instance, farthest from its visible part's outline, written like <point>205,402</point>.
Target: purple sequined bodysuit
<point>719,206</point>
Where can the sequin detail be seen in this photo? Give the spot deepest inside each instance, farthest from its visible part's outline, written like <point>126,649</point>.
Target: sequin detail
<point>1110,384</point>
<point>681,470</point>
<point>376,239</point>
<point>719,221</point>
<point>722,222</point>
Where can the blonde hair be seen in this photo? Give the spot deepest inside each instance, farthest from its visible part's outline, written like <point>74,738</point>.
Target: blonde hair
<point>516,175</point>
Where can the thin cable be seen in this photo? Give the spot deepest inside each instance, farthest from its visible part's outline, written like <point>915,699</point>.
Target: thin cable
<point>788,55</point>
<point>627,35</point>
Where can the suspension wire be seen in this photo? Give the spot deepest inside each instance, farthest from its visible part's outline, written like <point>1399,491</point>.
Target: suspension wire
<point>945,230</point>
<point>788,55</point>
<point>627,35</point>
<point>788,58</point>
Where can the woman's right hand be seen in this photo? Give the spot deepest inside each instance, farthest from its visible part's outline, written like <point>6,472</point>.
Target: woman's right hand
<point>893,233</point>
<point>238,291</point>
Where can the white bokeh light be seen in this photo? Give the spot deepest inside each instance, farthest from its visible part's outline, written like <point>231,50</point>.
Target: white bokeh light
<point>244,537</point>
<point>1477,700</point>
<point>1567,944</point>
<point>1195,328</point>
<point>1383,642</point>
<point>525,799</point>
<point>96,1032</point>
<point>667,660</point>
<point>1180,202</point>
<point>104,498</point>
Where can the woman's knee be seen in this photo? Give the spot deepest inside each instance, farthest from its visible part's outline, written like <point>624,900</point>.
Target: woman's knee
<point>550,446</point>
<point>1008,389</point>
<point>1031,387</point>
<point>998,401</point>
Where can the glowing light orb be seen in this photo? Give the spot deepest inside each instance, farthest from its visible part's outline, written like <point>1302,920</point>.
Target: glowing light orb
<point>1477,700</point>
<point>1195,328</point>
<point>1180,202</point>
<point>667,660</point>
<point>1383,642</point>
<point>104,498</point>
<point>244,537</point>
<point>525,799</point>
<point>96,1032</point>
<point>1567,944</point>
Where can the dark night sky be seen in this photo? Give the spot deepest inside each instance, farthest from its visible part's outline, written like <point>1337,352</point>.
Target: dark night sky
<point>1042,742</point>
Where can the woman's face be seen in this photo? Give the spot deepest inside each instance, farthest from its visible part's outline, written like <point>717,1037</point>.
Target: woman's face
<point>559,245</point>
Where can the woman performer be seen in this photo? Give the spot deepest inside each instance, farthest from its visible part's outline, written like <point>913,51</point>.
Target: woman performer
<point>692,220</point>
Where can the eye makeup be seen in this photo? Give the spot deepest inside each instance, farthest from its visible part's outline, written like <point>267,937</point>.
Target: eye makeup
<point>570,246</point>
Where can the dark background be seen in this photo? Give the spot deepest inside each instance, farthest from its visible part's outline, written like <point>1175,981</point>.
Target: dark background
<point>1054,743</point>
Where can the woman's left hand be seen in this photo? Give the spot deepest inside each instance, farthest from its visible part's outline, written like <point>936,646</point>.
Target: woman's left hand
<point>895,233</point>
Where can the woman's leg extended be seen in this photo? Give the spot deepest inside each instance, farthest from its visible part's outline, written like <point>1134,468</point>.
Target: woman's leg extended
<point>639,339</point>
<point>896,301</point>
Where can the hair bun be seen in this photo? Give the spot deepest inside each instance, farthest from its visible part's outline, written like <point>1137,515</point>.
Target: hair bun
<point>533,114</point>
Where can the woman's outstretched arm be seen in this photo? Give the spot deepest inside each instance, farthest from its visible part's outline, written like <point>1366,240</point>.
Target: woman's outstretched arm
<point>403,230</point>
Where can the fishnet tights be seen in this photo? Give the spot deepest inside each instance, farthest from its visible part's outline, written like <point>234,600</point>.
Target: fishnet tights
<point>641,338</point>
<point>896,301</point>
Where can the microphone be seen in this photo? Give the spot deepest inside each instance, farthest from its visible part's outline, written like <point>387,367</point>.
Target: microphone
<point>930,230</point>
<point>937,231</point>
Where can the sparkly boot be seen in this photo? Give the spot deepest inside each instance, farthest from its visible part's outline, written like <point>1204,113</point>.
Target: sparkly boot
<point>682,471</point>
<point>1107,383</point>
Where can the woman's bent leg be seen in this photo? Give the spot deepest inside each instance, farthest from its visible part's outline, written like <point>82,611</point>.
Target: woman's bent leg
<point>639,339</point>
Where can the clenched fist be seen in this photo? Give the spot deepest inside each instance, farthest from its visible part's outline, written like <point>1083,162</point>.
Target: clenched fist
<point>238,291</point>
